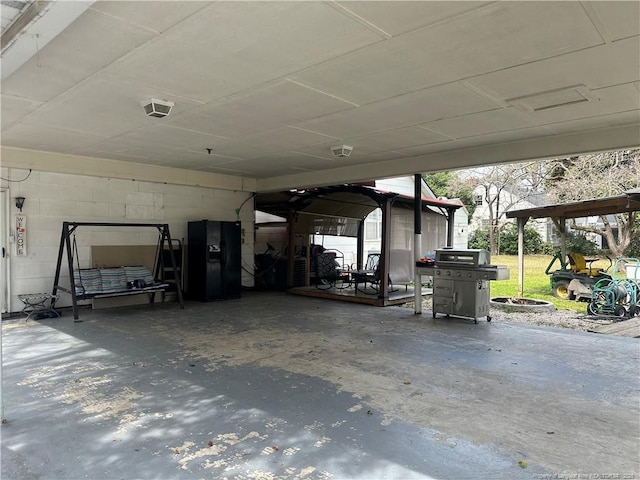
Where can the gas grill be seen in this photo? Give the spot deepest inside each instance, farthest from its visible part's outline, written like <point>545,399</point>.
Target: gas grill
<point>461,281</point>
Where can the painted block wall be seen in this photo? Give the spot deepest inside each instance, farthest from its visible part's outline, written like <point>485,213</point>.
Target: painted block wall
<point>52,198</point>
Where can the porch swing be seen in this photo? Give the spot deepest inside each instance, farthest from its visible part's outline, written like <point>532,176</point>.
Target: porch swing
<point>90,283</point>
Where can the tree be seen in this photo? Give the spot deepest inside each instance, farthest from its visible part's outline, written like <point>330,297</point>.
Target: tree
<point>501,187</point>
<point>595,176</point>
<point>448,184</point>
<point>438,182</point>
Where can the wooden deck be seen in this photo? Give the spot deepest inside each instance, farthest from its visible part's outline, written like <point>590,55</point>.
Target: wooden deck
<point>349,294</point>
<point>626,328</point>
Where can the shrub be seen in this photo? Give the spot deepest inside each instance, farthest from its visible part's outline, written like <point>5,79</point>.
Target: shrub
<point>577,242</point>
<point>509,240</point>
<point>548,249</point>
<point>479,239</point>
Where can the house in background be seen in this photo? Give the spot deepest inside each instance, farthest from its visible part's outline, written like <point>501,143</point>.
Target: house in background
<point>510,200</point>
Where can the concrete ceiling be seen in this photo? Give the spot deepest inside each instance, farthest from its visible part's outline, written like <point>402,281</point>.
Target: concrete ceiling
<point>271,86</point>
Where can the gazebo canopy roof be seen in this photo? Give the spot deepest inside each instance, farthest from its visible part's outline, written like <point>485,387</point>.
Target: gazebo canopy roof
<point>349,201</point>
<point>337,210</point>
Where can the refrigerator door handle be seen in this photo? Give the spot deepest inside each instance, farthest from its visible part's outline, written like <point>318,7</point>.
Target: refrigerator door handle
<point>223,252</point>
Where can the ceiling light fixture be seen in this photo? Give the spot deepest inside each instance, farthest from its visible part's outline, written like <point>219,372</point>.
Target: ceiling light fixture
<point>340,151</point>
<point>158,108</point>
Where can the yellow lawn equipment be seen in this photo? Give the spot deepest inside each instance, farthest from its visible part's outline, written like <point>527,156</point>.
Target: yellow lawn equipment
<point>575,278</point>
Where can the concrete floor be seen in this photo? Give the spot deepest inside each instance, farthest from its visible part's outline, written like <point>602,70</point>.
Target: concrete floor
<point>276,386</point>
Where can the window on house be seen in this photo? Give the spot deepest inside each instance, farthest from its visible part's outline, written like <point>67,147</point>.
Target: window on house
<point>372,230</point>
<point>373,225</point>
<point>478,200</point>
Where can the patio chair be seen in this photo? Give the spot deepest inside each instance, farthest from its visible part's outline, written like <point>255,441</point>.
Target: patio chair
<point>329,271</point>
<point>401,266</point>
<point>370,274</point>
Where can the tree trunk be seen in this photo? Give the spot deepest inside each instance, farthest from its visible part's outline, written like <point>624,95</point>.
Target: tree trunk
<point>492,231</point>
<point>616,245</point>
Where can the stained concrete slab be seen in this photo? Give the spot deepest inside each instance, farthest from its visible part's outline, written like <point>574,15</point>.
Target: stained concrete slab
<point>274,386</point>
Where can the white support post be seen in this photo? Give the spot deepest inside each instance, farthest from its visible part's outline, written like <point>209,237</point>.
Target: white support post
<point>521,223</point>
<point>2,419</point>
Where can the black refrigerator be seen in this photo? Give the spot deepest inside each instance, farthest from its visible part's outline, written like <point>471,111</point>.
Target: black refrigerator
<point>214,260</point>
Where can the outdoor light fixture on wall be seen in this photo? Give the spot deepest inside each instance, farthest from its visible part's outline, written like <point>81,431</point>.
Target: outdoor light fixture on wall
<point>20,203</point>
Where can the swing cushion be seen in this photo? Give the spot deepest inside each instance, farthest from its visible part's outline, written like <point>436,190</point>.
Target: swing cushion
<point>113,279</point>
<point>88,281</point>
<point>138,272</point>
<point>99,281</point>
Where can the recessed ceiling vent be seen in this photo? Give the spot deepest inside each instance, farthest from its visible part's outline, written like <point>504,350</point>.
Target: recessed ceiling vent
<point>559,97</point>
<point>158,108</point>
<point>341,151</point>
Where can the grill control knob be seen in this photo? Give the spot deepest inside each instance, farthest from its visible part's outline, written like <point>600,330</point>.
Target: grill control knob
<point>457,274</point>
<point>469,274</point>
<point>448,273</point>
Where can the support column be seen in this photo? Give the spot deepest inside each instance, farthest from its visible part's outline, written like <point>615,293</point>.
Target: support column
<point>521,223</point>
<point>360,246</point>
<point>291,255</point>
<point>383,268</point>
<point>451,213</point>
<point>417,242</point>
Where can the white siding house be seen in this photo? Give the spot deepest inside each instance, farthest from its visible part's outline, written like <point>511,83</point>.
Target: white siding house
<point>509,201</point>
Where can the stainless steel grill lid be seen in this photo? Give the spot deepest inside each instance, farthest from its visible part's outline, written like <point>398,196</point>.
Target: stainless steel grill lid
<point>464,257</point>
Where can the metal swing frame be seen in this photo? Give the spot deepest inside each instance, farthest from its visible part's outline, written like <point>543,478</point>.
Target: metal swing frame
<point>68,228</point>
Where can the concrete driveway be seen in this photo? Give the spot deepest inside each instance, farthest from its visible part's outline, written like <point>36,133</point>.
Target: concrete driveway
<point>275,386</point>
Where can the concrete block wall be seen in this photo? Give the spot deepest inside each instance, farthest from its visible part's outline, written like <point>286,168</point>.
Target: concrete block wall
<point>52,198</point>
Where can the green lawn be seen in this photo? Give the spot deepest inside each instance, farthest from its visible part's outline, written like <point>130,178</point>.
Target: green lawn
<point>536,283</point>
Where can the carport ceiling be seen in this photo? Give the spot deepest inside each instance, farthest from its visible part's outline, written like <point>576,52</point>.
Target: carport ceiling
<point>269,87</point>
